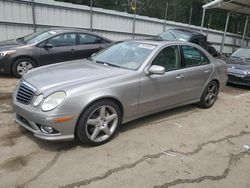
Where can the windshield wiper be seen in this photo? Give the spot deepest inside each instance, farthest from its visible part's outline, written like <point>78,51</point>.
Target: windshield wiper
<point>109,64</point>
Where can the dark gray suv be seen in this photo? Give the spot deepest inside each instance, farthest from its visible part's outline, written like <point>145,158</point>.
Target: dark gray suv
<point>46,47</point>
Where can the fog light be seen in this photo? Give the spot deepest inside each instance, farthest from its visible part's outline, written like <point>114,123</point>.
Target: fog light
<point>46,129</point>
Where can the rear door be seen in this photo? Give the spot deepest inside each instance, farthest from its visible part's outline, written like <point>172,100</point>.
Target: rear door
<point>198,71</point>
<point>88,44</point>
<point>63,49</point>
<point>163,91</point>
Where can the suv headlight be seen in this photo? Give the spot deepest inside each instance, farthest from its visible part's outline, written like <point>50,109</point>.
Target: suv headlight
<point>53,100</point>
<point>4,53</point>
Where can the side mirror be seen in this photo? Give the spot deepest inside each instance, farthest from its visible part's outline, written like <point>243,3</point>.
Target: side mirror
<point>156,69</point>
<point>48,46</point>
<point>93,55</point>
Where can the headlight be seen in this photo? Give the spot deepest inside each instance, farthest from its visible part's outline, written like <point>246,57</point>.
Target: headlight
<point>38,100</point>
<point>4,53</point>
<point>53,100</point>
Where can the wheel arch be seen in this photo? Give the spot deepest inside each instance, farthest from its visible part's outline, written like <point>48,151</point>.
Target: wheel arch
<point>23,56</point>
<point>111,98</point>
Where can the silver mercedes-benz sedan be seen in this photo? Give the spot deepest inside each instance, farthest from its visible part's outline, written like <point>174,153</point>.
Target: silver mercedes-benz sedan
<point>89,99</point>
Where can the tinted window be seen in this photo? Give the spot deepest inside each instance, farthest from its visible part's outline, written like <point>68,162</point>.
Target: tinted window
<point>89,39</point>
<point>193,56</point>
<point>169,58</point>
<point>63,40</point>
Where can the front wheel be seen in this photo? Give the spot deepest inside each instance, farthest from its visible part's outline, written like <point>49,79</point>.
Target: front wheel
<point>209,95</point>
<point>99,123</point>
<point>21,66</point>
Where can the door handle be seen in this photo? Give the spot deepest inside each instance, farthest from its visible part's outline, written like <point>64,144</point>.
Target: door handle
<point>72,50</point>
<point>207,71</point>
<point>180,76</point>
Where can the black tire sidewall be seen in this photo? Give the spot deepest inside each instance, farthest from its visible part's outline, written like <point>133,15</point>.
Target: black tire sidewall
<point>19,60</point>
<point>81,123</point>
<point>202,100</point>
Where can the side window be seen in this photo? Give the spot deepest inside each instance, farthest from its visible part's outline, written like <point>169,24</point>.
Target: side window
<point>169,58</point>
<point>89,39</point>
<point>63,40</point>
<point>193,56</point>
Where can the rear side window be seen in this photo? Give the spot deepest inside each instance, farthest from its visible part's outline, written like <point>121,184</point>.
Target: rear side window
<point>193,56</point>
<point>89,39</point>
<point>63,40</point>
<point>169,58</point>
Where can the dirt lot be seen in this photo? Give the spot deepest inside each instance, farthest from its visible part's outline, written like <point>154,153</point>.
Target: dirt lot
<point>185,147</point>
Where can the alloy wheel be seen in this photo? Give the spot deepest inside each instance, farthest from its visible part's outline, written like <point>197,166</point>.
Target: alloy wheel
<point>101,123</point>
<point>24,67</point>
<point>211,94</point>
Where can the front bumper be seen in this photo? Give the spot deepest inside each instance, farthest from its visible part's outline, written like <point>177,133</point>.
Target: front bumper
<point>5,65</point>
<point>33,120</point>
<point>239,79</point>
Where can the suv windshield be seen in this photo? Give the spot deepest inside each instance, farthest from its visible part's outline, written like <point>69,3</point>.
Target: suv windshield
<point>175,35</point>
<point>37,37</point>
<point>242,53</point>
<point>128,55</point>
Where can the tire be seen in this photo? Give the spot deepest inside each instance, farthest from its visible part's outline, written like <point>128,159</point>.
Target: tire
<point>101,127</point>
<point>209,95</point>
<point>21,66</point>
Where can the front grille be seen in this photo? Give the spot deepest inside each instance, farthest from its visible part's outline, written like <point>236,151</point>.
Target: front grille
<point>25,93</point>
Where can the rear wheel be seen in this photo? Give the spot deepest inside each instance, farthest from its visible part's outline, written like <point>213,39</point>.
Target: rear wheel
<point>209,95</point>
<point>99,123</point>
<point>22,66</point>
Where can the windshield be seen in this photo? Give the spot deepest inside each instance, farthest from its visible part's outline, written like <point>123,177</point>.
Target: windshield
<point>37,37</point>
<point>128,55</point>
<point>175,35</point>
<point>242,53</point>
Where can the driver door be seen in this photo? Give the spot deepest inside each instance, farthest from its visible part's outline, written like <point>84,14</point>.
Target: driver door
<point>159,92</point>
<point>63,49</point>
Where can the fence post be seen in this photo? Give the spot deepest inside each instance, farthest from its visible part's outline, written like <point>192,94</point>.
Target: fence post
<point>190,17</point>
<point>165,19</point>
<point>224,34</point>
<point>33,15</point>
<point>91,15</point>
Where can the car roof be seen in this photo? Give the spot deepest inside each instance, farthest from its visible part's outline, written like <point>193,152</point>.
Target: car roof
<point>61,30</point>
<point>186,31</point>
<point>158,42</point>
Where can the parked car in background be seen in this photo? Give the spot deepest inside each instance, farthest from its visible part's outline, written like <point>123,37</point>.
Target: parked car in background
<point>189,36</point>
<point>90,98</point>
<point>46,47</point>
<point>239,67</point>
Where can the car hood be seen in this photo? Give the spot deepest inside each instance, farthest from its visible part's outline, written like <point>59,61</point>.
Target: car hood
<point>239,64</point>
<point>67,74</point>
<point>9,44</point>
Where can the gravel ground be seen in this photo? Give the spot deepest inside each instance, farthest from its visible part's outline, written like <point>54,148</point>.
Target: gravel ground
<point>183,147</point>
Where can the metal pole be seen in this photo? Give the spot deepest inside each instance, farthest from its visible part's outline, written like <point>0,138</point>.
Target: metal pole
<point>33,15</point>
<point>91,15</point>
<point>134,20</point>
<point>209,23</point>
<point>166,15</point>
<point>244,32</point>
<point>190,17</point>
<point>224,34</point>
<point>203,17</point>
